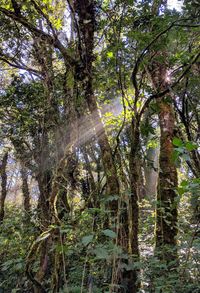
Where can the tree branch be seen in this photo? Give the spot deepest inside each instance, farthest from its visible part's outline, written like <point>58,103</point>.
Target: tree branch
<point>39,10</point>
<point>169,88</point>
<point>52,40</point>
<point>20,66</point>
<point>146,49</point>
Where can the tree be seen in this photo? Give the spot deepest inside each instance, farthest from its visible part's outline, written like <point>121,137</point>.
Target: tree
<point>3,186</point>
<point>87,82</point>
<point>25,189</point>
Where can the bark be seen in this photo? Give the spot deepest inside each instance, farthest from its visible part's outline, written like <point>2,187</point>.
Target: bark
<point>124,183</point>
<point>133,283</point>
<point>25,189</point>
<point>63,206</point>
<point>141,183</point>
<point>43,177</point>
<point>166,210</point>
<point>151,173</point>
<point>166,227</point>
<point>108,163</point>
<point>86,14</point>
<point>44,259</point>
<point>134,186</point>
<point>89,188</point>
<point>3,186</point>
<point>43,53</point>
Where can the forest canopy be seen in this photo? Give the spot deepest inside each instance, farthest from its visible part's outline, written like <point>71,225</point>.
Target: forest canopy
<point>99,146</point>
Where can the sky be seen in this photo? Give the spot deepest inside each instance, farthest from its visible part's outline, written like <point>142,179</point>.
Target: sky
<point>175,4</point>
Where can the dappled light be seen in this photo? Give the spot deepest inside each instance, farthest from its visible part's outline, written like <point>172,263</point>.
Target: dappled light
<point>99,146</point>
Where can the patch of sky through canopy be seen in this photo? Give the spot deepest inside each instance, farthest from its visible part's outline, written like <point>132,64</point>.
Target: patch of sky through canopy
<point>175,4</point>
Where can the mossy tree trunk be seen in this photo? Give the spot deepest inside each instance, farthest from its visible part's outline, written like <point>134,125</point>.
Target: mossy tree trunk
<point>133,283</point>
<point>25,189</point>
<point>85,11</point>
<point>86,14</point>
<point>3,186</point>
<point>166,210</point>
<point>166,227</point>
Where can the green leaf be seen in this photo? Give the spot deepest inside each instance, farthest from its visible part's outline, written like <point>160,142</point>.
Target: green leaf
<point>177,142</point>
<point>186,157</point>
<point>181,190</point>
<point>184,183</point>
<point>175,157</point>
<point>87,239</point>
<point>190,146</point>
<point>196,180</point>
<point>109,233</point>
<point>101,253</point>
<point>181,150</point>
<point>110,54</point>
<point>112,197</point>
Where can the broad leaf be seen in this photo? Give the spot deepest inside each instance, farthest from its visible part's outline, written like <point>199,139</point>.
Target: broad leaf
<point>87,239</point>
<point>109,233</point>
<point>177,142</point>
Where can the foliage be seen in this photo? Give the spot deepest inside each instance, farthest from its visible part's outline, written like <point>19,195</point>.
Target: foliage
<point>15,236</point>
<point>90,91</point>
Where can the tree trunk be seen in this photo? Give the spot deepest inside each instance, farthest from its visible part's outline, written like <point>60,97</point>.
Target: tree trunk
<point>25,189</point>
<point>166,210</point>
<point>89,188</point>
<point>86,11</point>
<point>151,173</point>
<point>133,283</point>
<point>86,14</point>
<point>166,226</point>
<point>3,186</point>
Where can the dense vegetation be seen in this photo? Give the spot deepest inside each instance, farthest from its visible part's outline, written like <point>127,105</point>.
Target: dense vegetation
<point>99,151</point>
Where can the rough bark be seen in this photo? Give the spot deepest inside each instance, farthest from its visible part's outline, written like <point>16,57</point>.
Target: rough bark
<point>134,178</point>
<point>89,188</point>
<point>44,178</point>
<point>44,259</point>
<point>25,189</point>
<point>132,276</point>
<point>3,186</point>
<point>166,227</point>
<point>166,210</point>
<point>124,183</point>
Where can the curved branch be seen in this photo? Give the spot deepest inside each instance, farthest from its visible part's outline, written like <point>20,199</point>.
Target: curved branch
<point>20,66</point>
<point>169,88</point>
<point>39,10</point>
<point>52,40</point>
<point>141,57</point>
<point>146,49</point>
